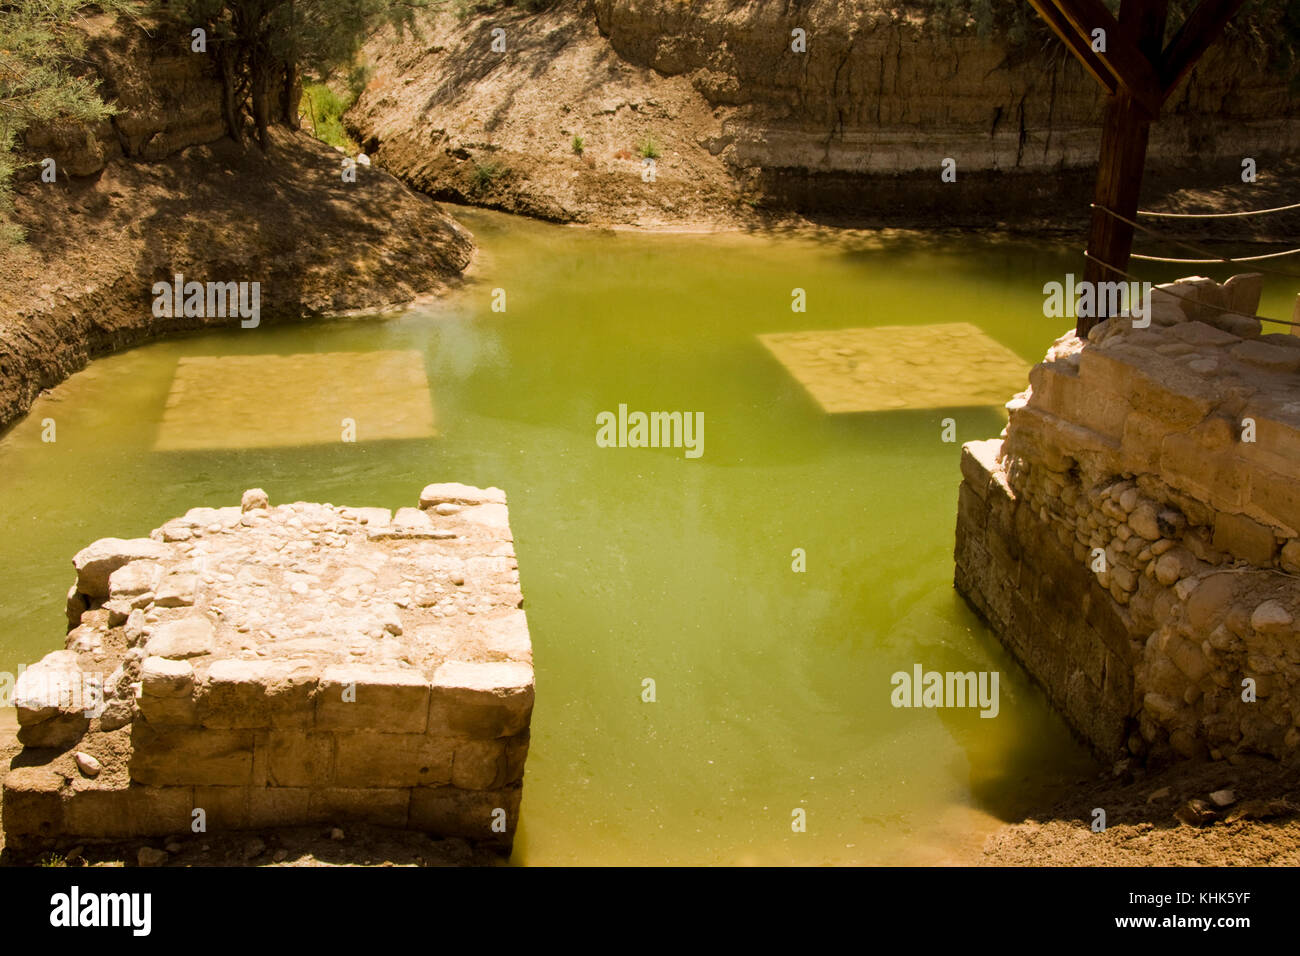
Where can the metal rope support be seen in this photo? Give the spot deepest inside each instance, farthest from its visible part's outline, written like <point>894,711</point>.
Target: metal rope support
<point>1185,298</point>
<point>1271,255</point>
<point>1193,248</point>
<point>1217,215</point>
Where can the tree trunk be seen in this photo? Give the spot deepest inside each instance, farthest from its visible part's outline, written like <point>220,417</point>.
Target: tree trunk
<point>225,56</point>
<point>291,96</point>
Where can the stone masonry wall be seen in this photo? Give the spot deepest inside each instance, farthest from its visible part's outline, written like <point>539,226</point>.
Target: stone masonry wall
<point>283,666</point>
<point>1133,535</point>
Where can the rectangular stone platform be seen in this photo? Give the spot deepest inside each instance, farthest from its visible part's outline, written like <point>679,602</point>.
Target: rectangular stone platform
<point>303,664</point>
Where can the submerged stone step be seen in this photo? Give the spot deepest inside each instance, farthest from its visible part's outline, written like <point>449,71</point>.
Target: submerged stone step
<point>261,666</point>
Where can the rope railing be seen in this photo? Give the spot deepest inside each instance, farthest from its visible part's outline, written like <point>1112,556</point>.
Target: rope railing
<point>1185,298</point>
<point>1213,259</point>
<point>1217,215</point>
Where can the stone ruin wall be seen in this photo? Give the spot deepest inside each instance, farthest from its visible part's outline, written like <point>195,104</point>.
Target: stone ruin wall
<point>284,666</point>
<point>1136,445</point>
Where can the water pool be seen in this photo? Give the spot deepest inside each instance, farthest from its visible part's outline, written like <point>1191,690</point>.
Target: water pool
<point>772,687</point>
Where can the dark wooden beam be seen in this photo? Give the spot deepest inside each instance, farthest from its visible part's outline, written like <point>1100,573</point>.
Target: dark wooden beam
<point>1122,158</point>
<point>1201,28</point>
<point>1078,45</point>
<point>1122,58</point>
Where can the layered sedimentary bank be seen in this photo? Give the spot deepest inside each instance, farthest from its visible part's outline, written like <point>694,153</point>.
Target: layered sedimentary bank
<point>1134,535</point>
<point>260,666</point>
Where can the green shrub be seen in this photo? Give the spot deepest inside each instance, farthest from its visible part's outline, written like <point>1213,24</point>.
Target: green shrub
<point>649,148</point>
<point>578,143</point>
<point>323,111</point>
<point>485,174</point>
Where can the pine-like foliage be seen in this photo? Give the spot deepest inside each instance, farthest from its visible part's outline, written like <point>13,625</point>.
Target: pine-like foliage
<point>40,83</point>
<point>262,48</point>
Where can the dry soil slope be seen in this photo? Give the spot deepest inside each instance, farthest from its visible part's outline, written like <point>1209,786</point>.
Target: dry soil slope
<point>861,120</point>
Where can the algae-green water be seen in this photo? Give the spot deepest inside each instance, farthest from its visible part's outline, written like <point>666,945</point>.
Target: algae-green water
<point>771,686</point>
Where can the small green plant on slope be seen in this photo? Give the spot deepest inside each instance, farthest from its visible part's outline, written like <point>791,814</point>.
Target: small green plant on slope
<point>325,108</point>
<point>578,144</point>
<point>485,174</point>
<point>649,148</point>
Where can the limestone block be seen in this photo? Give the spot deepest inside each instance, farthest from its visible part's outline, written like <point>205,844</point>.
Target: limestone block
<point>32,802</point>
<point>165,756</point>
<point>1141,442</point>
<point>1272,358</point>
<point>971,510</point>
<point>1202,336</point>
<point>506,637</point>
<point>362,805</point>
<point>224,808</point>
<point>485,816</point>
<point>292,758</point>
<point>493,699</point>
<point>97,562</point>
<point>168,711</point>
<point>1244,538</point>
<point>177,590</point>
<point>372,697</point>
<point>256,693</point>
<point>516,755</point>
<point>163,677</point>
<point>393,760</point>
<point>979,459</point>
<point>1242,292</point>
<point>129,812</point>
<point>53,686</point>
<point>1218,479</point>
<point>1276,496</point>
<point>480,764</point>
<point>135,578</point>
<point>191,636</point>
<point>452,492</point>
<point>282,806</point>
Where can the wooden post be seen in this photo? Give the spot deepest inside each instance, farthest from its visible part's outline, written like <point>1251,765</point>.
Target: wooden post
<point>1138,73</point>
<point>1119,183</point>
<point>1122,159</point>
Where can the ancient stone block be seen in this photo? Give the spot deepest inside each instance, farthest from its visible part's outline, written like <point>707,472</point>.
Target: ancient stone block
<point>393,760</point>
<point>1244,538</point>
<point>487,816</point>
<point>32,802</point>
<point>481,699</point>
<point>1277,496</point>
<point>979,459</point>
<point>191,636</point>
<point>97,562</point>
<point>163,677</point>
<point>971,510</point>
<point>282,806</point>
<point>294,758</point>
<point>451,492</point>
<point>177,757</point>
<point>224,808</point>
<point>370,696</point>
<point>257,693</point>
<point>130,812</point>
<point>480,764</point>
<point>381,807</point>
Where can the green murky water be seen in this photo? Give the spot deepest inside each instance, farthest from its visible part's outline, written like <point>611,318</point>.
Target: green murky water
<point>772,686</point>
